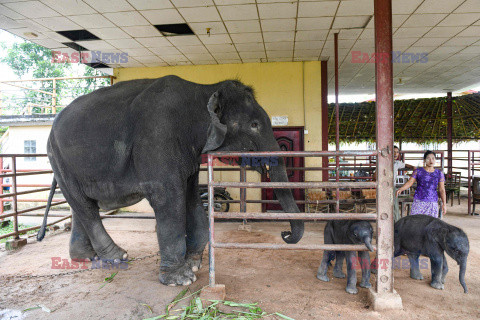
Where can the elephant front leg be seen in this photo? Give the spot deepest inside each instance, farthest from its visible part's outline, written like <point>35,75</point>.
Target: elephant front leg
<point>351,272</point>
<point>323,268</point>
<point>197,226</point>
<point>197,237</point>
<point>170,213</point>
<point>444,269</point>
<point>364,258</point>
<point>414,267</point>
<point>437,266</point>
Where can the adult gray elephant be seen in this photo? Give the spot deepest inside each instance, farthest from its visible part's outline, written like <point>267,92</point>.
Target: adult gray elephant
<point>144,139</point>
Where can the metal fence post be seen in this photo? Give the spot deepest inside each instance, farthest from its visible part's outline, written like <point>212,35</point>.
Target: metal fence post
<point>211,248</point>
<point>469,183</point>
<point>14,202</point>
<point>384,297</point>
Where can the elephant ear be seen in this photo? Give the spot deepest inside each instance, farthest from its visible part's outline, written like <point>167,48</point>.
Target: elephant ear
<point>216,130</point>
<point>441,237</point>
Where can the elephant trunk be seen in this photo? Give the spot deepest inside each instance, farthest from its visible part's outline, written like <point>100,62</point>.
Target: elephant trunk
<point>278,174</point>
<point>461,275</point>
<point>368,242</point>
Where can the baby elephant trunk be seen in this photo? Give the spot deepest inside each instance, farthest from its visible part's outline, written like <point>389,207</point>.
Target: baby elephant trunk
<point>461,276</point>
<point>368,242</point>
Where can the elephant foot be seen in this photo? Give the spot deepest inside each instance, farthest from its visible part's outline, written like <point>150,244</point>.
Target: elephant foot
<point>365,284</point>
<point>79,252</point>
<point>181,276</point>
<point>323,277</point>
<point>437,285</point>
<point>338,274</point>
<point>416,275</point>
<point>194,261</point>
<point>352,289</point>
<point>113,252</point>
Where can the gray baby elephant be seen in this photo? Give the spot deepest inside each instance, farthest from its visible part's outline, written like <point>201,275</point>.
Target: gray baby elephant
<point>347,232</point>
<point>425,235</point>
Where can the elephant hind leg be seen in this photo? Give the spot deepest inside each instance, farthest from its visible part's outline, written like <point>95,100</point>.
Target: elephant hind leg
<point>80,245</point>
<point>86,214</point>
<point>337,269</point>
<point>323,268</point>
<point>414,267</point>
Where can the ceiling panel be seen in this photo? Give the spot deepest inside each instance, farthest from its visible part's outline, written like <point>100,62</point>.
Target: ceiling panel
<point>241,31</point>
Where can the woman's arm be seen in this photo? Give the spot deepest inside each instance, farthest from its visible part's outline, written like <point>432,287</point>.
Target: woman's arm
<point>409,166</point>
<point>443,195</point>
<point>407,185</point>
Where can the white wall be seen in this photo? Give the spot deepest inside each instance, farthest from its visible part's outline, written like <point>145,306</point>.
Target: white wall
<point>14,144</point>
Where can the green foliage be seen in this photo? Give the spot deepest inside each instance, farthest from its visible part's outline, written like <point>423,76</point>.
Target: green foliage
<point>28,57</point>
<point>9,228</point>
<point>29,60</point>
<point>215,309</point>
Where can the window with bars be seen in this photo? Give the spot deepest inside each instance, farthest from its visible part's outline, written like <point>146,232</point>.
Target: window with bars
<point>30,146</point>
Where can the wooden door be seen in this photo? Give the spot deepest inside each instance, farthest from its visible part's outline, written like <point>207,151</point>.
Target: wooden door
<point>289,139</point>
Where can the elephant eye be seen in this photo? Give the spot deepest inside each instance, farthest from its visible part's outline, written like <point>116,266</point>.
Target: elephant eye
<point>254,124</point>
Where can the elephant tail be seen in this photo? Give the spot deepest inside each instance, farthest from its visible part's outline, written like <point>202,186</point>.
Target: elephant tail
<point>41,232</point>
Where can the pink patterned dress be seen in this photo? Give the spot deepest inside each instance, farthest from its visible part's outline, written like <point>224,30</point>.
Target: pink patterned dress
<point>425,200</point>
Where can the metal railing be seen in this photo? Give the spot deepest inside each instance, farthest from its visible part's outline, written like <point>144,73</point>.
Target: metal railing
<point>12,197</point>
<point>280,216</point>
<point>472,163</point>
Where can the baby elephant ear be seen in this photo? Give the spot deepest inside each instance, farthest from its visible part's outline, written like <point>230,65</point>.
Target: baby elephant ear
<point>216,130</point>
<point>441,237</point>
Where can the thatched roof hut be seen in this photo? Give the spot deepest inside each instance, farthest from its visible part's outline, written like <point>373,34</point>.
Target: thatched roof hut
<point>416,120</point>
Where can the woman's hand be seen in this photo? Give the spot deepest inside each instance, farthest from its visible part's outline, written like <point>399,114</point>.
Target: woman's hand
<point>444,209</point>
<point>399,191</point>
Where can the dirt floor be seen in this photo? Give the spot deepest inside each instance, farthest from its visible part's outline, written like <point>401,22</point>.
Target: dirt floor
<point>280,281</point>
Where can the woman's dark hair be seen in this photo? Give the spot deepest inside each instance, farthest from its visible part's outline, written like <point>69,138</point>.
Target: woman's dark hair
<point>425,155</point>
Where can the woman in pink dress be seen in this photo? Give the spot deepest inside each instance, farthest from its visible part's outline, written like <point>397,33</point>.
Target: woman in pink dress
<point>428,180</point>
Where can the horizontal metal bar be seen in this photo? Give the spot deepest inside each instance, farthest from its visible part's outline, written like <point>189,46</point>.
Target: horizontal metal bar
<point>6,195</point>
<point>294,216</point>
<point>31,200</point>
<point>344,201</point>
<point>25,185</point>
<point>2,216</point>
<point>295,185</point>
<point>4,155</point>
<point>31,173</point>
<point>103,216</point>
<point>330,247</point>
<point>33,228</point>
<point>343,167</point>
<point>294,153</point>
<point>58,78</point>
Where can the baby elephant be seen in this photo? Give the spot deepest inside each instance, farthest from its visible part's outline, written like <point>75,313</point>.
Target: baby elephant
<point>420,234</point>
<point>347,232</point>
